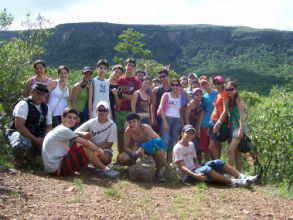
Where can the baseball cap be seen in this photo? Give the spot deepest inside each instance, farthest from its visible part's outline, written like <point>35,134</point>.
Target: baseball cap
<point>219,79</point>
<point>192,75</point>
<point>87,69</point>
<point>103,103</point>
<point>40,87</point>
<point>196,90</point>
<point>188,127</point>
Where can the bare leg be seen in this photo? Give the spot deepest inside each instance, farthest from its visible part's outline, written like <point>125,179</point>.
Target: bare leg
<point>214,149</point>
<point>219,177</point>
<point>107,158</point>
<point>207,155</point>
<point>233,147</point>
<point>159,159</point>
<point>93,158</point>
<point>231,170</point>
<point>120,141</point>
<point>169,158</point>
<point>124,159</point>
<point>238,160</point>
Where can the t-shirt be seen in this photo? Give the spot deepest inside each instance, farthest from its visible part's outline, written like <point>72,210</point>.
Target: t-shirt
<point>102,132</point>
<point>128,85</point>
<point>186,154</point>
<point>21,110</point>
<point>208,107</point>
<point>55,147</point>
<point>219,106</point>
<point>101,93</point>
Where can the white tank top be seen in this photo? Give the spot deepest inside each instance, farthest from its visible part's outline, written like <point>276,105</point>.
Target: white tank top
<point>174,105</point>
<point>55,95</point>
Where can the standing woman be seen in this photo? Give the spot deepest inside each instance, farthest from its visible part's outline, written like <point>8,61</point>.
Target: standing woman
<point>172,119</point>
<point>80,95</point>
<point>140,101</point>
<point>218,117</point>
<point>40,70</point>
<point>115,101</point>
<point>237,125</point>
<point>59,95</point>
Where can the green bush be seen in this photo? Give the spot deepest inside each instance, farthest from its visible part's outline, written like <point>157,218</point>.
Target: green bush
<point>271,129</point>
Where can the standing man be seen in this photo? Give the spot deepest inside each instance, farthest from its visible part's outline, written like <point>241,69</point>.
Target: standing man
<point>102,132</point>
<point>100,91</point>
<point>31,120</point>
<point>128,84</point>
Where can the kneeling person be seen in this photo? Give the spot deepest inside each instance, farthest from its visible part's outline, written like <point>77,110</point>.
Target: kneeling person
<point>102,131</point>
<point>188,168</point>
<point>139,139</point>
<point>63,152</point>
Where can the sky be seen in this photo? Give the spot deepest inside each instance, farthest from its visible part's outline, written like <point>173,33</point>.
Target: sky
<point>275,14</point>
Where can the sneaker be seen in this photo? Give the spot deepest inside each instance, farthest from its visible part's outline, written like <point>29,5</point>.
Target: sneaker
<point>110,173</point>
<point>239,182</point>
<point>160,177</point>
<point>251,179</point>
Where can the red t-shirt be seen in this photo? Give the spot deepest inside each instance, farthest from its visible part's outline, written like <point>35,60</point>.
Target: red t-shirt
<point>128,85</point>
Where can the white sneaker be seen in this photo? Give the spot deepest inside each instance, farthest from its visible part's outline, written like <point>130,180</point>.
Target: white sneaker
<point>110,173</point>
<point>251,179</point>
<point>239,182</point>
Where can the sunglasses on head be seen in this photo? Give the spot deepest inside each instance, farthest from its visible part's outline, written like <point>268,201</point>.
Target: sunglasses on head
<point>102,110</point>
<point>177,85</point>
<point>230,89</point>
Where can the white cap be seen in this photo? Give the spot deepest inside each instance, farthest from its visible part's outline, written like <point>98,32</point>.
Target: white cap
<point>103,103</point>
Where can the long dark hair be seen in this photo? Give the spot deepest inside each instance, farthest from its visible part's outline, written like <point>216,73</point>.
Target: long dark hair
<point>236,96</point>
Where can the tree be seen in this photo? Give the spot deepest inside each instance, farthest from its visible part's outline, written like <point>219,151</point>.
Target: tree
<point>5,19</point>
<point>130,46</point>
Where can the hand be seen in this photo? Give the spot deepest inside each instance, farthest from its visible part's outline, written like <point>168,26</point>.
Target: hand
<point>154,121</point>
<point>140,152</point>
<point>166,126</point>
<point>38,141</point>
<point>198,133</point>
<point>115,91</point>
<point>240,134</point>
<point>201,177</point>
<point>88,135</point>
<point>216,127</point>
<point>98,152</point>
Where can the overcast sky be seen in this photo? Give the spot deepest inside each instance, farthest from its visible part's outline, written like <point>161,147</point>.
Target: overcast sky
<point>276,14</point>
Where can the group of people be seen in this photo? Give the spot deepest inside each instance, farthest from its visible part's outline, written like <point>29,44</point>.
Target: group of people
<point>173,120</point>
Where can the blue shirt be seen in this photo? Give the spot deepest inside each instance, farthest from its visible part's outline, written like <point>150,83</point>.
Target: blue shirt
<point>207,101</point>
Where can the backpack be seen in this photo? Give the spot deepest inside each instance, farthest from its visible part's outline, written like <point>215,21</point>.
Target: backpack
<point>143,170</point>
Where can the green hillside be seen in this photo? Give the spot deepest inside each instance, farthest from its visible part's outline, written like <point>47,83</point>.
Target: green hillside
<point>257,58</point>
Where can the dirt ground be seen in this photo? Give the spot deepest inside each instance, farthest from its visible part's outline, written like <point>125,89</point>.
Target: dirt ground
<point>35,195</point>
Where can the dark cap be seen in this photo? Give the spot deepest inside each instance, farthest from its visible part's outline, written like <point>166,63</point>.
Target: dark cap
<point>87,69</point>
<point>188,127</point>
<point>132,116</point>
<point>40,87</point>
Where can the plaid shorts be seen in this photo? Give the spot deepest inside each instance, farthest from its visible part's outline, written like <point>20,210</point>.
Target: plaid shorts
<point>73,161</point>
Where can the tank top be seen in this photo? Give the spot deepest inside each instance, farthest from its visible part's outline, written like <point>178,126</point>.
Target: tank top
<point>159,95</point>
<point>81,99</point>
<point>234,117</point>
<point>174,105</point>
<point>34,81</point>
<point>55,95</point>
<point>141,105</point>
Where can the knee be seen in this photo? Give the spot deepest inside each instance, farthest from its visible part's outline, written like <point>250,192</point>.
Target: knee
<point>124,159</point>
<point>107,160</point>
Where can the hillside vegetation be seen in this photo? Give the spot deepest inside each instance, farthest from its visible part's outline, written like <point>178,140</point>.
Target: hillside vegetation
<point>256,58</point>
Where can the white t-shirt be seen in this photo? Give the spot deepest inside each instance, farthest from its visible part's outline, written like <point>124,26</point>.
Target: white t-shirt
<point>21,110</point>
<point>174,105</point>
<point>101,93</point>
<point>102,132</point>
<point>186,154</point>
<point>55,147</point>
<point>57,96</point>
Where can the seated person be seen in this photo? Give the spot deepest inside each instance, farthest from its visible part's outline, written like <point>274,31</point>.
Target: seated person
<point>190,170</point>
<point>139,139</point>
<point>31,120</point>
<point>102,131</point>
<point>63,152</point>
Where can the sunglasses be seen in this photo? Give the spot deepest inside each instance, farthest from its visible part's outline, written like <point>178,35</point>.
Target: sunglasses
<point>161,76</point>
<point>102,67</point>
<point>130,64</point>
<point>230,90</point>
<point>177,85</point>
<point>217,83</point>
<point>102,110</point>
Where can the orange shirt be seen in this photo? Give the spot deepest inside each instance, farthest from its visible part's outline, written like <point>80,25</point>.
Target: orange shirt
<point>219,106</point>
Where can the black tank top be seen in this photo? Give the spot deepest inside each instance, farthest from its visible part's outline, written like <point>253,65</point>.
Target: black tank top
<point>141,105</point>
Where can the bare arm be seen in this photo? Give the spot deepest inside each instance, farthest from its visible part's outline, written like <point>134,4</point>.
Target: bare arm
<point>133,101</point>
<point>161,108</point>
<point>90,145</point>
<point>52,85</point>
<point>187,113</point>
<point>127,141</point>
<point>184,169</point>
<point>74,94</point>
<point>240,105</point>
<point>150,132</point>
<point>27,88</point>
<point>90,98</point>
<point>153,105</point>
<point>202,114</point>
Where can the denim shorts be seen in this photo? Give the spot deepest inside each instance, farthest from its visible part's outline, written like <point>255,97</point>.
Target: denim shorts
<point>207,167</point>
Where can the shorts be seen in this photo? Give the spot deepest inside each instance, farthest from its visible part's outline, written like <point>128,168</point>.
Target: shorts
<point>154,145</point>
<point>120,120</point>
<point>73,161</point>
<point>204,139</point>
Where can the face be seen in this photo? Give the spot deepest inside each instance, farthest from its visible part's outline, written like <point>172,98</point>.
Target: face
<point>197,96</point>
<point>205,85</point>
<point>188,135</point>
<point>195,85</point>
<point>163,77</point>
<point>87,76</point>
<point>155,83</point>
<point>39,97</point>
<point>146,84</point>
<point>40,69</point>
<point>102,112</point>
<point>102,69</point>
<point>218,85</point>
<point>116,74</point>
<point>63,75</point>
<point>133,124</point>
<point>175,86</point>
<point>140,76</point>
<point>184,83</point>
<point>130,67</point>
<point>231,90</point>
<point>69,120</point>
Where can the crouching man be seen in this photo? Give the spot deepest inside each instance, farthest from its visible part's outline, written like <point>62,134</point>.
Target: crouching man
<point>139,139</point>
<point>30,122</point>
<point>102,131</point>
<point>188,168</point>
<point>63,152</point>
